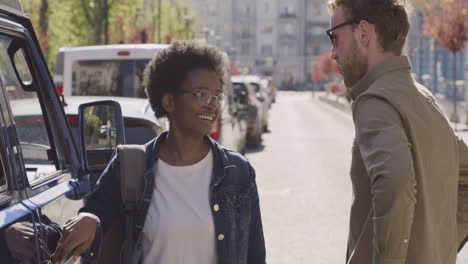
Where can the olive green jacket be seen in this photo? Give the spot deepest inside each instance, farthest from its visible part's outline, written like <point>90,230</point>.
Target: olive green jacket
<point>406,162</point>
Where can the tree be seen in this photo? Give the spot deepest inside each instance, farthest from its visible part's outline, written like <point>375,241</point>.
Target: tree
<point>166,20</point>
<point>97,15</point>
<point>446,22</point>
<point>68,23</point>
<point>324,67</point>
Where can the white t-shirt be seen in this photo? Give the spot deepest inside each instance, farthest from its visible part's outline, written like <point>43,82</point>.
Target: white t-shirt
<point>179,227</point>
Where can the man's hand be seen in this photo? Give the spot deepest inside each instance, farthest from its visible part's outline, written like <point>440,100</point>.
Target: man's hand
<point>78,234</point>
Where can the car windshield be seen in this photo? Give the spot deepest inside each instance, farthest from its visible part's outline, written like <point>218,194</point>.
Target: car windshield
<point>108,77</point>
<point>239,89</point>
<point>256,86</point>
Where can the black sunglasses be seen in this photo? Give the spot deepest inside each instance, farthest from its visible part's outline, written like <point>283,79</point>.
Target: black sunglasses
<point>329,31</point>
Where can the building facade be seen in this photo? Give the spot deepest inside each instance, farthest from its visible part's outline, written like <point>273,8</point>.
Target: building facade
<point>279,38</point>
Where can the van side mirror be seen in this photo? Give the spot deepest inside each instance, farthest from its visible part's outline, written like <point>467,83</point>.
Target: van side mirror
<point>101,129</point>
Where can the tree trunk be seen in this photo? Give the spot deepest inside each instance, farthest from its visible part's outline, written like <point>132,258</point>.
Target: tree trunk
<point>43,27</point>
<point>159,21</point>
<point>106,21</point>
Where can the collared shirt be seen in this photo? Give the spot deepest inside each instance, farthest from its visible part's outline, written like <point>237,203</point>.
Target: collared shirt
<point>392,64</point>
<point>405,172</point>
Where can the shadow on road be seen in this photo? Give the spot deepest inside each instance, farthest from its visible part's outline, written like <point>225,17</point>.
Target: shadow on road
<point>255,150</point>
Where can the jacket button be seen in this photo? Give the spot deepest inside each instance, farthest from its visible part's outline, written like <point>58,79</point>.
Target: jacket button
<point>220,237</point>
<point>216,207</point>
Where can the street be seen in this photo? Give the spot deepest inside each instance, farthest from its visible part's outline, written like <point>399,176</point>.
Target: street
<point>303,178</point>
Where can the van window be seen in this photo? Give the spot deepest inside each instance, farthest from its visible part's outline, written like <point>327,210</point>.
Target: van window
<point>4,194</point>
<point>137,131</point>
<point>3,180</point>
<point>108,77</point>
<point>32,134</point>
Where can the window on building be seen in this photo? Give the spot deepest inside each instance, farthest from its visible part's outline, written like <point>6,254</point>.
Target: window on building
<point>288,10</point>
<point>266,29</point>
<point>316,50</point>
<point>212,10</point>
<point>317,9</point>
<point>245,33</point>
<point>245,49</point>
<point>288,49</point>
<point>285,50</point>
<point>288,29</point>
<point>266,50</point>
<point>266,7</point>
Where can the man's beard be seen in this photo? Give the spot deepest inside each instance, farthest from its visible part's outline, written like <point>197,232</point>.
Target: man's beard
<point>355,68</point>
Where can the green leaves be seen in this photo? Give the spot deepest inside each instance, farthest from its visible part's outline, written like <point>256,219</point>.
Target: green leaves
<point>69,23</point>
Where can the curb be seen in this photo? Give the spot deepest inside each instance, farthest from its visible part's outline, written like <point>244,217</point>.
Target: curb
<point>342,105</point>
<point>337,103</point>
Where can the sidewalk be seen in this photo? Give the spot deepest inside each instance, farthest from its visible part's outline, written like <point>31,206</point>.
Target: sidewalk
<point>447,106</point>
<point>331,99</point>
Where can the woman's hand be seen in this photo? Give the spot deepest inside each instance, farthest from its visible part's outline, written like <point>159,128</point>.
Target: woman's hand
<point>78,234</point>
<point>21,233</point>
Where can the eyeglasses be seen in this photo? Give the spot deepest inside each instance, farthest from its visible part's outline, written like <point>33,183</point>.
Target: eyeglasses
<point>206,97</point>
<point>330,33</point>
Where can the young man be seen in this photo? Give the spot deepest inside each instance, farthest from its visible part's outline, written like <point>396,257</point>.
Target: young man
<point>407,161</point>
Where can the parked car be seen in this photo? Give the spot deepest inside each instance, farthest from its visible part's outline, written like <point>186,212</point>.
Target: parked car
<point>262,94</point>
<point>231,127</point>
<point>248,100</point>
<point>103,70</point>
<point>44,174</point>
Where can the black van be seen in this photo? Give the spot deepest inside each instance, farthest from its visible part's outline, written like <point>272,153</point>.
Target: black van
<point>43,171</point>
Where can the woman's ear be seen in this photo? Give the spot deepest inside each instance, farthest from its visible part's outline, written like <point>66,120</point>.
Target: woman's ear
<point>167,102</point>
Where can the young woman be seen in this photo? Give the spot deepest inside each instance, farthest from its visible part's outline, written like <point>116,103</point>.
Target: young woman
<point>200,200</point>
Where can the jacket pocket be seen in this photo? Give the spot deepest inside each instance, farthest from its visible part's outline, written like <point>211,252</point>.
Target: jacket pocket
<point>237,207</point>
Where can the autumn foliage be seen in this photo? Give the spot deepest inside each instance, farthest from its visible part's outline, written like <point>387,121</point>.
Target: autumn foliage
<point>324,67</point>
<point>447,22</point>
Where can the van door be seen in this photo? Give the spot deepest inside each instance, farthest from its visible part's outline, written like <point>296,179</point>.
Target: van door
<point>17,220</point>
<point>43,154</point>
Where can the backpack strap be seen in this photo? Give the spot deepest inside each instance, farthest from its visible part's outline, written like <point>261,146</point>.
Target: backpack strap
<point>132,162</point>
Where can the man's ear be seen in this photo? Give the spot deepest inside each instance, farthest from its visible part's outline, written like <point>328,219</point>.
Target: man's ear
<point>366,33</point>
<point>167,102</point>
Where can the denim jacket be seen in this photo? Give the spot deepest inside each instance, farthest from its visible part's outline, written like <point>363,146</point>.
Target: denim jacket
<point>233,199</point>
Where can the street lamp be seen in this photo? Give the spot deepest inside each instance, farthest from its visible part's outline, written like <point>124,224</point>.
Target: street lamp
<point>206,32</point>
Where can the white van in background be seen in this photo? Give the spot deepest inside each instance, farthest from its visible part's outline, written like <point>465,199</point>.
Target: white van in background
<point>103,70</point>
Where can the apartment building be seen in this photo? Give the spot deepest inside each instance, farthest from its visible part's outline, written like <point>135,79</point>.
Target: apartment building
<point>281,38</point>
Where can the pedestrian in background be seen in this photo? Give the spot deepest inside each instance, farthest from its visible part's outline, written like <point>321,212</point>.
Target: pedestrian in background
<point>200,201</point>
<point>406,159</point>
